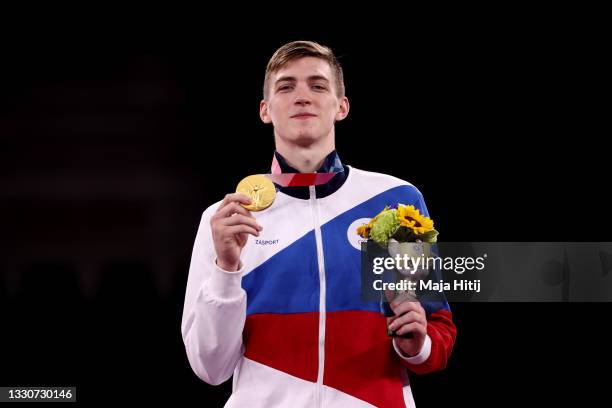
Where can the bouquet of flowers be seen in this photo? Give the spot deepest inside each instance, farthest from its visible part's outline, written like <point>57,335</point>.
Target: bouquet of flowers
<point>400,223</point>
<point>402,230</point>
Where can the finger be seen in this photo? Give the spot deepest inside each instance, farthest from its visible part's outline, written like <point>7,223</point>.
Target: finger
<point>402,319</point>
<point>393,318</point>
<point>239,219</point>
<point>410,328</point>
<point>231,209</point>
<point>402,299</point>
<point>242,229</point>
<point>405,306</point>
<point>234,197</point>
<point>228,208</point>
<point>407,318</point>
<point>390,320</point>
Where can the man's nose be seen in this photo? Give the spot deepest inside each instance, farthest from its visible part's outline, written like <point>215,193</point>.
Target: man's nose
<point>302,97</point>
<point>302,101</point>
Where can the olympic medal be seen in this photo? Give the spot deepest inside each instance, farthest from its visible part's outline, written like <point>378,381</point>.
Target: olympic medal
<point>259,189</point>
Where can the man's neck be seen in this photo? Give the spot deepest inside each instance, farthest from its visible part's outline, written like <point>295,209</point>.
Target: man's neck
<point>306,159</point>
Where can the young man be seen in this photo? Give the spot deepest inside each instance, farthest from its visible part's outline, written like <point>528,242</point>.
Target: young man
<point>274,298</point>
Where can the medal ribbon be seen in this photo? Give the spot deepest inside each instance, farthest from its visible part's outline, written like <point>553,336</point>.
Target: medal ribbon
<point>302,179</point>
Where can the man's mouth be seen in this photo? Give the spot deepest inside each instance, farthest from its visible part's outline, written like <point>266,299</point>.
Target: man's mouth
<point>303,115</point>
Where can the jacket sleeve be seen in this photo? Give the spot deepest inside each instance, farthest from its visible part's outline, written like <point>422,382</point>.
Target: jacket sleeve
<point>214,312</point>
<point>441,331</point>
<point>438,346</point>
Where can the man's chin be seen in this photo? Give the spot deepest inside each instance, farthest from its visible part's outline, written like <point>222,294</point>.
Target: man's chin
<point>304,139</point>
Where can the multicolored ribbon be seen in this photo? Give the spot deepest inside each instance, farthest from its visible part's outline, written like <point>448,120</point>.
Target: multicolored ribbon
<point>302,179</point>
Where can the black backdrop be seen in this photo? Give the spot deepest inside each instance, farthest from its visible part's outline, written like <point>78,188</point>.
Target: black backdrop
<point>116,136</point>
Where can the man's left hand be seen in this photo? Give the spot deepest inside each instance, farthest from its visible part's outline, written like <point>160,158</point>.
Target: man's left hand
<point>409,318</point>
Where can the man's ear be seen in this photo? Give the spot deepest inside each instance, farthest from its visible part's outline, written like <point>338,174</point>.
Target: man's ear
<point>344,108</point>
<point>263,112</point>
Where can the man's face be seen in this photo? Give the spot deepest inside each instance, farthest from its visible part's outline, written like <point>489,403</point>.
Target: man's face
<point>303,103</point>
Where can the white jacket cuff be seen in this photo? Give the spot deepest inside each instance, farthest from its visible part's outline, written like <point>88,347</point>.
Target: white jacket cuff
<point>419,358</point>
<point>225,285</point>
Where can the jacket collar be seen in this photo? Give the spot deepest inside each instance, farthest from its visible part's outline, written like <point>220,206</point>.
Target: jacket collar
<point>331,164</point>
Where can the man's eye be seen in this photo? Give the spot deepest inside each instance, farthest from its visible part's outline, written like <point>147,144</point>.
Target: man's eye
<point>285,88</point>
<point>319,87</point>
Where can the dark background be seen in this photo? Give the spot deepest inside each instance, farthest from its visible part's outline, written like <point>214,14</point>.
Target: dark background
<point>116,135</point>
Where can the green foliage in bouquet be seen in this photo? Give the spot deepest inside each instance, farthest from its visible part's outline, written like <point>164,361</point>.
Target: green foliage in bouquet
<point>404,224</point>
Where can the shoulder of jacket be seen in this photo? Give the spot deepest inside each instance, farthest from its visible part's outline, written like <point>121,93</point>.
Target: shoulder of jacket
<point>374,177</point>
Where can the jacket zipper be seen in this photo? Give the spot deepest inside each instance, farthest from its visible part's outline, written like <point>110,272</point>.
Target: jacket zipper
<point>314,206</point>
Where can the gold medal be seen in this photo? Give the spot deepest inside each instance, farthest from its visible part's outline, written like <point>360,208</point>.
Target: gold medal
<point>259,189</point>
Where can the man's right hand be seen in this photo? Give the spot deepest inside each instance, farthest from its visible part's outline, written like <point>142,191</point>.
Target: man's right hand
<point>230,227</point>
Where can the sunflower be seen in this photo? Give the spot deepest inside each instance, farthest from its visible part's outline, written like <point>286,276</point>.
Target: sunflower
<point>409,217</point>
<point>364,231</point>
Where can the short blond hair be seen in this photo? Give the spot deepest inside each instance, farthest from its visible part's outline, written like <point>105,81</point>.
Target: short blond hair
<point>300,49</point>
